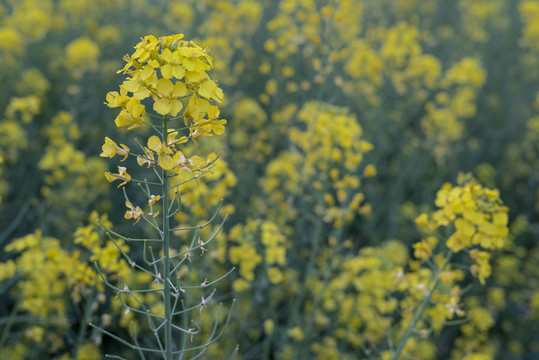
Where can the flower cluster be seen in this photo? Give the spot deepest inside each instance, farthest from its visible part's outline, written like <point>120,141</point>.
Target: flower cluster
<point>330,148</point>
<point>168,70</point>
<point>257,242</point>
<point>478,218</point>
<point>172,73</point>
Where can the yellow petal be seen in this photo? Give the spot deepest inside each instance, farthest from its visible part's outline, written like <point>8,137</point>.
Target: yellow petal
<point>166,162</point>
<point>164,86</point>
<point>211,157</point>
<point>110,177</point>
<point>175,107</point>
<point>131,85</point>
<point>167,55</point>
<point>213,112</point>
<point>197,108</point>
<point>218,126</point>
<point>154,143</point>
<point>112,99</point>
<point>195,76</point>
<point>178,72</point>
<point>179,158</point>
<point>135,108</point>
<point>218,96</point>
<point>207,89</point>
<point>141,93</point>
<point>141,161</point>
<point>147,72</point>
<point>166,71</point>
<point>162,106</point>
<point>189,64</point>
<point>109,148</point>
<point>124,119</point>
<point>179,89</point>
<point>196,161</point>
<point>185,173</point>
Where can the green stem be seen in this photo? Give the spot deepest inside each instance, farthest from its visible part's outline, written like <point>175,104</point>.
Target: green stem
<point>419,313</point>
<point>20,215</point>
<point>84,322</point>
<point>166,255</point>
<point>9,324</point>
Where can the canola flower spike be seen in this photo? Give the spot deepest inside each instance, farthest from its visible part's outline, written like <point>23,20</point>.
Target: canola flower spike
<point>479,218</point>
<point>168,70</point>
<point>480,222</point>
<point>171,73</point>
<point>330,149</point>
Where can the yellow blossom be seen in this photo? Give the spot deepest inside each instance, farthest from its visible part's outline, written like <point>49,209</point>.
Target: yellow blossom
<point>275,275</point>
<point>110,148</point>
<point>133,212</point>
<point>164,153</point>
<point>122,175</point>
<point>481,267</point>
<point>153,199</point>
<point>169,93</point>
<point>148,159</point>
<point>173,67</point>
<point>132,116</point>
<point>117,99</point>
<point>423,249</point>
<point>210,91</point>
<point>369,171</point>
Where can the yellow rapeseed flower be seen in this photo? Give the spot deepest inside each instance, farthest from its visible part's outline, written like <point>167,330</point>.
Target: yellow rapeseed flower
<point>133,212</point>
<point>164,153</point>
<point>110,148</point>
<point>169,93</point>
<point>132,115</point>
<point>121,175</point>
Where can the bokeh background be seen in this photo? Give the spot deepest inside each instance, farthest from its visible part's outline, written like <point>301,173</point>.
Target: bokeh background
<point>344,120</point>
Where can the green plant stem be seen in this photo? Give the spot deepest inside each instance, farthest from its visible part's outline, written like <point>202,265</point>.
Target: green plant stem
<point>166,255</point>
<point>419,313</point>
<point>9,324</point>
<point>13,225</point>
<point>84,322</point>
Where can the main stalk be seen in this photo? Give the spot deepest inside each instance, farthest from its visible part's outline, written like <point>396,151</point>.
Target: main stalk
<point>166,255</point>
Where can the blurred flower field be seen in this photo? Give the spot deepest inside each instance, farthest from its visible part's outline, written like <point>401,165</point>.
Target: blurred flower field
<point>293,179</point>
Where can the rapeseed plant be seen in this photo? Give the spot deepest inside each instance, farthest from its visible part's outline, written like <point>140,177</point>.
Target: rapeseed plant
<point>172,74</point>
